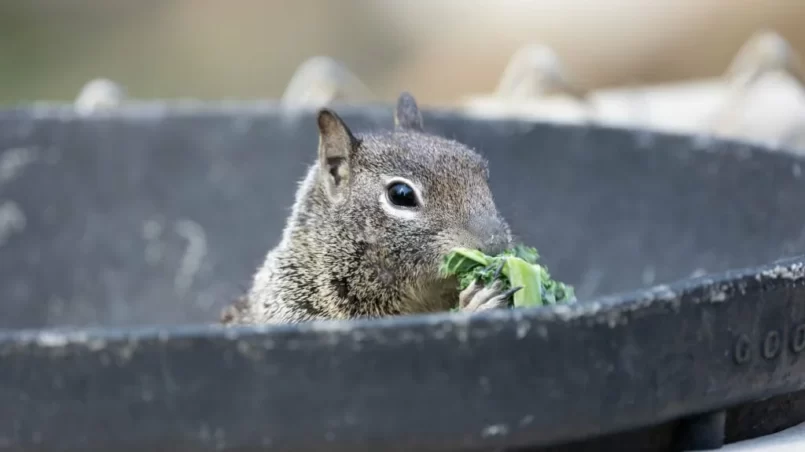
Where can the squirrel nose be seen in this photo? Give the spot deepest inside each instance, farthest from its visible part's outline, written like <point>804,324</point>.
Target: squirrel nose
<point>492,232</point>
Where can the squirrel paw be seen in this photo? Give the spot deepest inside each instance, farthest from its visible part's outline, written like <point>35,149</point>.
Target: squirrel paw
<point>477,298</point>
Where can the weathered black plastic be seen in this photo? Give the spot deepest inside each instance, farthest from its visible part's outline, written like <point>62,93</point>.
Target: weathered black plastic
<point>98,291</point>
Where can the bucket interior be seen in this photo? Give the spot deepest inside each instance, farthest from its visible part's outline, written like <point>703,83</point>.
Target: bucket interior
<point>162,217</point>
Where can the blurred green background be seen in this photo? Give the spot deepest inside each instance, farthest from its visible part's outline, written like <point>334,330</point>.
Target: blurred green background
<point>442,50</point>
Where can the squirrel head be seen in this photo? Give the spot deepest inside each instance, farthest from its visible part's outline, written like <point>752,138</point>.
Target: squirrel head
<point>401,200</point>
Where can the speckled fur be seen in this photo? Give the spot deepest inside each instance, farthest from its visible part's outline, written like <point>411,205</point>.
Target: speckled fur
<point>346,257</point>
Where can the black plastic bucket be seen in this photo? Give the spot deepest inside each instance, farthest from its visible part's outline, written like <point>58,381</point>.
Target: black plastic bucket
<point>122,233</point>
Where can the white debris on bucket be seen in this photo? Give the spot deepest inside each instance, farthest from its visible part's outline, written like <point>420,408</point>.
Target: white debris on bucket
<point>152,230</point>
<point>699,272</point>
<point>495,430</point>
<point>193,256</point>
<point>13,161</point>
<point>792,272</point>
<point>12,220</point>
<point>52,339</point>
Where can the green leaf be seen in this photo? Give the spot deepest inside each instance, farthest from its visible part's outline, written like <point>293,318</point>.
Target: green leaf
<point>463,260</point>
<point>527,276</point>
<point>570,293</point>
<point>520,268</point>
<point>527,254</point>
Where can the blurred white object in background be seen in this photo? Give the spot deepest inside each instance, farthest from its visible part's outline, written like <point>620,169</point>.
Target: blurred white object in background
<point>99,93</point>
<point>459,46</point>
<point>321,80</point>
<point>760,98</point>
<point>535,71</point>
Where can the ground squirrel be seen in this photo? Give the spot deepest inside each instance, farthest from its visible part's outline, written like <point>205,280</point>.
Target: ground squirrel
<point>370,225</point>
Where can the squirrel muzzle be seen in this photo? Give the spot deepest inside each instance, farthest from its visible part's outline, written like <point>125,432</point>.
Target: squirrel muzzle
<point>491,232</point>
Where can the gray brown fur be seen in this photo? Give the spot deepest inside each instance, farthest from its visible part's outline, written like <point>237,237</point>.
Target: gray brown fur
<point>342,254</point>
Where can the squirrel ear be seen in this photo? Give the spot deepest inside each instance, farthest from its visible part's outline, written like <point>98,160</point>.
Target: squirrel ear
<point>407,114</point>
<point>336,144</point>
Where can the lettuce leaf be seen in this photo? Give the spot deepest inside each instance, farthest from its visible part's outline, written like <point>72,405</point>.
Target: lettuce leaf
<point>519,269</point>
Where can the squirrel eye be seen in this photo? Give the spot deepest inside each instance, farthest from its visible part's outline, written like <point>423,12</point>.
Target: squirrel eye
<point>402,195</point>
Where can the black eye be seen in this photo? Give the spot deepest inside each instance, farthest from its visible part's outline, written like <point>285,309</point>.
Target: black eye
<point>401,194</point>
